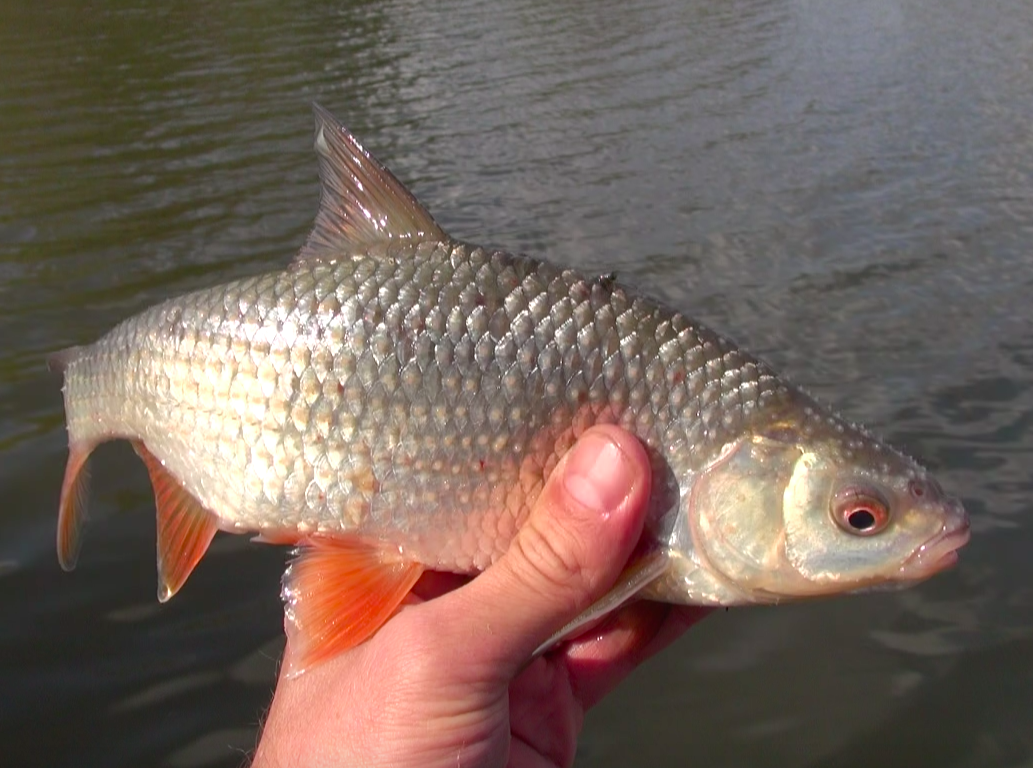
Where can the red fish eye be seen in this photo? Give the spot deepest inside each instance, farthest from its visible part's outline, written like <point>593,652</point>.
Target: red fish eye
<point>859,513</point>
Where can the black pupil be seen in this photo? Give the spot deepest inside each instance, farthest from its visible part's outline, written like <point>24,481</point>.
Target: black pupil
<point>861,519</point>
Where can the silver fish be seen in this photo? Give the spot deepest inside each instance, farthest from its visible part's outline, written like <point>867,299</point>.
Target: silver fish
<point>395,400</point>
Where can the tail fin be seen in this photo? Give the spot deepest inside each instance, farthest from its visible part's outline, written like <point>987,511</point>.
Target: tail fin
<point>72,511</point>
<point>60,360</point>
<point>75,487</point>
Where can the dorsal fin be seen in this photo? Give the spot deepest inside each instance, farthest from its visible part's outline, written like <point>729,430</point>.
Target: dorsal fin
<point>361,202</point>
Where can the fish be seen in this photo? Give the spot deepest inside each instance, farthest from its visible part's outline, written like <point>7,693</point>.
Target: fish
<point>393,400</point>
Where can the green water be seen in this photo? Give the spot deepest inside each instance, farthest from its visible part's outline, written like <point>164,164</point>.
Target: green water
<point>845,187</point>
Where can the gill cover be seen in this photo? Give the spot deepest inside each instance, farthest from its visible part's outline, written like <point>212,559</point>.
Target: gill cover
<point>737,506</point>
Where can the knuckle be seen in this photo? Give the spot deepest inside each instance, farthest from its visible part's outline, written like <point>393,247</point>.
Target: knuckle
<point>555,559</point>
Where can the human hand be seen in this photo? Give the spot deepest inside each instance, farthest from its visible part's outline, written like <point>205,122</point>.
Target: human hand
<point>451,681</point>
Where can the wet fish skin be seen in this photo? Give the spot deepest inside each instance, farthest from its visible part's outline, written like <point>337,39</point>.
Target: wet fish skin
<point>395,400</point>
<point>421,393</point>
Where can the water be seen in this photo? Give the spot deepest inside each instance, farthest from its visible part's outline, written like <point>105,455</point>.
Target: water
<point>844,186</point>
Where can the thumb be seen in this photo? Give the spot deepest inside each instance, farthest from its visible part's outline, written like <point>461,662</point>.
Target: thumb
<point>569,552</point>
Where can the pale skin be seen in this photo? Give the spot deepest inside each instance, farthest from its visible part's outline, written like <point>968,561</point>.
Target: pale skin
<point>451,681</point>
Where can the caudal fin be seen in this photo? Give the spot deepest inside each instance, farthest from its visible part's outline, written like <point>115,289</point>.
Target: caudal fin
<point>75,488</point>
<point>72,509</point>
<point>59,361</point>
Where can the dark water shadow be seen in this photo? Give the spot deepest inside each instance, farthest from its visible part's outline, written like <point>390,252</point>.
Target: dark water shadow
<point>978,714</point>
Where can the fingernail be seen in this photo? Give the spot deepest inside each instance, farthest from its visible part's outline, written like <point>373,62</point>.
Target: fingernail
<point>597,474</point>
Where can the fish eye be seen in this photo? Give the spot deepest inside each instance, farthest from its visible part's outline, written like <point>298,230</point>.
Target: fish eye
<point>859,512</point>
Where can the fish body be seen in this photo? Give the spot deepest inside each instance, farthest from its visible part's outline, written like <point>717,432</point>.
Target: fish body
<point>423,393</point>
<point>395,400</point>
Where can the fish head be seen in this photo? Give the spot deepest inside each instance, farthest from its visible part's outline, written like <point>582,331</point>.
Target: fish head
<point>814,506</point>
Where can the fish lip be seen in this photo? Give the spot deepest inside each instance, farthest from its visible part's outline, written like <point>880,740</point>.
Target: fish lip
<point>939,553</point>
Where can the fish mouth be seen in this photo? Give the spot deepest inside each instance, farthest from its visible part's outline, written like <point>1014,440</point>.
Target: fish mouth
<point>937,554</point>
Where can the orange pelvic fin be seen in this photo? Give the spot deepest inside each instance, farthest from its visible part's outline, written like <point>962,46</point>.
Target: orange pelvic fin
<point>185,528</point>
<point>277,537</point>
<point>338,592</point>
<point>71,517</point>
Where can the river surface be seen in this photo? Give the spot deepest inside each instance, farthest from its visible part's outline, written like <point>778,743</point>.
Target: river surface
<point>843,186</point>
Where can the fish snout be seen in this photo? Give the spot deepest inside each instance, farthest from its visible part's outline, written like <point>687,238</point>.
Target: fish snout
<point>940,551</point>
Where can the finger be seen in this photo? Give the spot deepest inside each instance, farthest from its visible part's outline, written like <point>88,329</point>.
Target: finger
<point>523,755</point>
<point>581,531</point>
<point>433,584</point>
<point>632,635</point>
<point>544,714</point>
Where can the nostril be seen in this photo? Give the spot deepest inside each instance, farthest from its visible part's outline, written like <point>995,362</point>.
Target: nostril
<point>918,488</point>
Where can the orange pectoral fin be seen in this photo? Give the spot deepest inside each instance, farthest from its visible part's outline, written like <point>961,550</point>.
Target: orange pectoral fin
<point>338,592</point>
<point>72,509</point>
<point>185,527</point>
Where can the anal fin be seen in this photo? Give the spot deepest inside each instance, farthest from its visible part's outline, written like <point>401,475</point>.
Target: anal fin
<point>185,527</point>
<point>338,592</point>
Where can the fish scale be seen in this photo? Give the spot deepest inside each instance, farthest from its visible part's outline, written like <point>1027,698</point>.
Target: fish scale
<point>399,399</point>
<point>421,410</point>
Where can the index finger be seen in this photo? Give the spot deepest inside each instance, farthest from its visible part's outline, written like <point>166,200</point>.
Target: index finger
<point>635,633</point>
